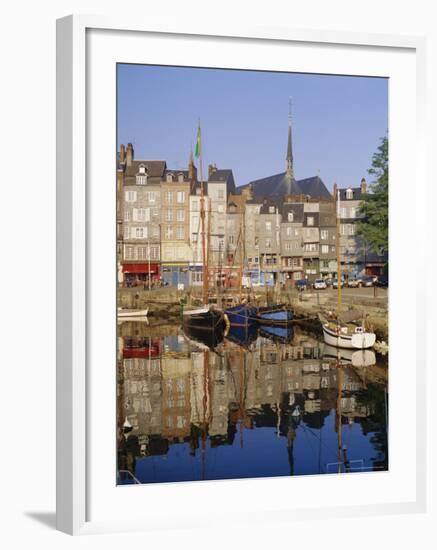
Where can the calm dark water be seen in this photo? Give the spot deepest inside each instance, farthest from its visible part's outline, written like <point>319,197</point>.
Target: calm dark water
<point>267,405</point>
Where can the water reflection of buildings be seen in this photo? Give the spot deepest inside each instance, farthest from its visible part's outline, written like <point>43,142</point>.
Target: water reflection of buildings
<point>171,392</point>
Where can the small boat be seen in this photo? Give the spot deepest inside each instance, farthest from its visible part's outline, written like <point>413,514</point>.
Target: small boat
<point>344,334</point>
<point>206,325</point>
<point>241,315</point>
<point>279,334</point>
<point>131,313</point>
<point>279,315</point>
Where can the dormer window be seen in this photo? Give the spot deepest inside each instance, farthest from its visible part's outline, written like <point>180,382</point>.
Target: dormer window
<point>271,209</point>
<point>169,177</point>
<point>290,216</point>
<point>349,194</point>
<point>180,178</point>
<point>141,177</point>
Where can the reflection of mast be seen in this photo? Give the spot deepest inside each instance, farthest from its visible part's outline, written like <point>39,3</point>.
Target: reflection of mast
<point>241,395</point>
<point>205,405</point>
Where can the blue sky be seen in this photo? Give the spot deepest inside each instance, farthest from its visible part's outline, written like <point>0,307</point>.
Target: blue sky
<point>337,120</point>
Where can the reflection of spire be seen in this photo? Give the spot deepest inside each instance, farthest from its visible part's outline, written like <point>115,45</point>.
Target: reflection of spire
<point>289,164</point>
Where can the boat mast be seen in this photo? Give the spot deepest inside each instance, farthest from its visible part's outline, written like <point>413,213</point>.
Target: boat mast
<point>202,216</point>
<point>338,253</point>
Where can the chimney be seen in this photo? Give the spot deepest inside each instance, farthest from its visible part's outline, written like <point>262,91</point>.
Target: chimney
<point>211,169</point>
<point>247,192</point>
<point>129,154</point>
<point>122,153</point>
<point>334,191</point>
<point>363,186</point>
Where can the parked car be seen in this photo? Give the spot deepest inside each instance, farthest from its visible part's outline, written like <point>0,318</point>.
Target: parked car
<point>335,283</point>
<point>367,280</point>
<point>329,282</point>
<point>382,282</point>
<point>302,284</point>
<point>355,282</point>
<point>320,284</point>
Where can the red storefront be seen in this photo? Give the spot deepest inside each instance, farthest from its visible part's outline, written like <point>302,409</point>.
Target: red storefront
<point>138,274</point>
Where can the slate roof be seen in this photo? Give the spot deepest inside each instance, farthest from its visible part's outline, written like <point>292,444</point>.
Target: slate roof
<point>280,185</point>
<point>224,175</point>
<point>155,168</point>
<point>296,208</point>
<point>315,188</point>
<point>357,195</point>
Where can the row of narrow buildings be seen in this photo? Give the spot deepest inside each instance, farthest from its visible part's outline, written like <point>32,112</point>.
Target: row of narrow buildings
<point>274,229</point>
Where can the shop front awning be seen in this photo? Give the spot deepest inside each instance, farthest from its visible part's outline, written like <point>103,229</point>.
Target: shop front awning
<point>140,268</point>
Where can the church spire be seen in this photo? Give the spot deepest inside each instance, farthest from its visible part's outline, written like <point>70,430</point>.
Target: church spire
<point>289,165</point>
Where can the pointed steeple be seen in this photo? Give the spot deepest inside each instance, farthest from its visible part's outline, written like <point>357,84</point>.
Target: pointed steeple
<point>289,165</point>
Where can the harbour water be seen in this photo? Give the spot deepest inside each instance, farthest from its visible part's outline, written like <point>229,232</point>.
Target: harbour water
<point>257,405</point>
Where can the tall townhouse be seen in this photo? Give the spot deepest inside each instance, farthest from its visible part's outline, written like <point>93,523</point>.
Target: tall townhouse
<point>356,256</point>
<point>292,241</point>
<point>139,204</point>
<point>311,240</point>
<point>175,227</point>
<point>220,185</point>
<point>328,230</point>
<point>196,234</point>
<point>269,226</point>
<point>235,240</point>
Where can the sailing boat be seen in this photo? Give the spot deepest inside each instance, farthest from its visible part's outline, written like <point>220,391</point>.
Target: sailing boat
<point>241,314</point>
<point>207,323</point>
<point>345,330</point>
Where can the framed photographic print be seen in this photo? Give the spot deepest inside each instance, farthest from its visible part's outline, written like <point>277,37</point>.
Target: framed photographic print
<point>231,237</point>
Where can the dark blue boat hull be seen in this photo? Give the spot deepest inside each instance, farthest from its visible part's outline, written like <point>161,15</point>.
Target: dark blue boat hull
<point>241,315</point>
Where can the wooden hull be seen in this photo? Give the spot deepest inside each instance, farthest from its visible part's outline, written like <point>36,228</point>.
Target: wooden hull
<point>363,340</point>
<point>204,325</point>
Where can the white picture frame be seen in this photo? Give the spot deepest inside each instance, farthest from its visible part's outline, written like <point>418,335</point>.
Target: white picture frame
<point>75,215</point>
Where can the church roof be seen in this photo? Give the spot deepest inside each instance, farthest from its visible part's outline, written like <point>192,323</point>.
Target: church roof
<point>280,185</point>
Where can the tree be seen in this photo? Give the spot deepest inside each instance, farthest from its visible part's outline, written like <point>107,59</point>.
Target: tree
<point>374,207</point>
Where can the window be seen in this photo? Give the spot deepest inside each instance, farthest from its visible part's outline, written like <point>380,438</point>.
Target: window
<point>268,227</point>
<point>180,178</point>
<point>180,233</point>
<point>130,196</point>
<point>150,196</point>
<point>169,197</point>
<point>141,214</point>
<point>169,177</point>
<point>352,212</point>
<point>197,277</point>
<point>289,231</point>
<point>349,194</point>
<point>168,233</point>
<point>141,232</point>
<point>268,243</point>
<point>195,206</point>
<point>169,216</point>
<point>256,260</point>
<point>127,215</point>
<point>180,215</point>
<point>288,245</point>
<point>271,209</point>
<point>323,234</point>
<point>180,197</point>
<point>220,193</point>
<point>232,241</point>
<point>220,208</point>
<point>347,229</point>
<point>310,247</point>
<point>310,220</point>
<point>325,249</point>
<point>129,253</point>
<point>126,232</point>
<point>343,212</point>
<point>290,216</point>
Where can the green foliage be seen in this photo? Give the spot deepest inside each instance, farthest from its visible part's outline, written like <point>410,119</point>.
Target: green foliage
<point>374,227</point>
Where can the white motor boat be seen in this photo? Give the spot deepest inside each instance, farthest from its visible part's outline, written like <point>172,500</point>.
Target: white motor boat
<point>343,333</point>
<point>131,313</point>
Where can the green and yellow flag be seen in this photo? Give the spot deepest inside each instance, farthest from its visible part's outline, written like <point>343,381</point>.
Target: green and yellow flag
<point>198,143</point>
